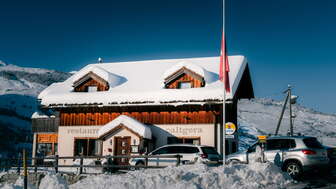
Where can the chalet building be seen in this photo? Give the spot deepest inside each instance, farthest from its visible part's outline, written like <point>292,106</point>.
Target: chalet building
<point>133,107</point>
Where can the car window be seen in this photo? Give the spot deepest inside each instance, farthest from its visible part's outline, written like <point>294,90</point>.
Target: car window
<point>189,150</point>
<point>209,150</point>
<point>280,144</point>
<point>312,143</point>
<point>163,150</point>
<point>182,150</point>
<point>174,150</point>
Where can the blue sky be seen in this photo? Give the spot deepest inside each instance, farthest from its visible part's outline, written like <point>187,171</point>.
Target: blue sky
<point>286,42</point>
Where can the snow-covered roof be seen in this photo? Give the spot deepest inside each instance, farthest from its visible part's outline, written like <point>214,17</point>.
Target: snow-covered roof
<point>128,122</point>
<point>39,114</point>
<point>141,82</point>
<point>112,79</point>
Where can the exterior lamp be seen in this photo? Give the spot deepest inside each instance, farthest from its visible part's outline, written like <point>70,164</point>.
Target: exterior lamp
<point>293,99</point>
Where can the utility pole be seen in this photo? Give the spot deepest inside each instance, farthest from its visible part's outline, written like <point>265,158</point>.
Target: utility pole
<point>290,110</point>
<point>292,100</point>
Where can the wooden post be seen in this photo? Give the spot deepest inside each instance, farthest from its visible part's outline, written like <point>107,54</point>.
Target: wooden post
<point>18,165</point>
<point>35,165</point>
<point>25,180</point>
<point>178,160</point>
<point>56,163</point>
<point>81,165</point>
<point>7,165</point>
<point>146,161</point>
<point>247,158</point>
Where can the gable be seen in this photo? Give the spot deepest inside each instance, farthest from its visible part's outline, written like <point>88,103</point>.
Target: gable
<point>184,75</point>
<point>90,80</point>
<point>245,87</point>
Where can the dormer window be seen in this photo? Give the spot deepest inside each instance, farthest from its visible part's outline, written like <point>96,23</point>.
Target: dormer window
<point>184,75</point>
<point>184,79</point>
<point>90,82</point>
<point>92,89</point>
<point>184,85</point>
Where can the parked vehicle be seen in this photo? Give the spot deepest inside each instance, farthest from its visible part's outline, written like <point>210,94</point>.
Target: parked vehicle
<point>294,154</point>
<point>190,154</point>
<point>331,155</point>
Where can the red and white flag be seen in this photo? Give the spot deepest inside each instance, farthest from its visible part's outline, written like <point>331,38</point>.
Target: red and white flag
<point>224,61</point>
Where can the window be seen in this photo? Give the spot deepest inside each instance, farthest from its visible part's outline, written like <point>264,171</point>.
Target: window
<point>312,143</point>
<point>184,85</point>
<point>92,89</point>
<point>44,149</point>
<point>189,150</point>
<point>161,151</point>
<point>209,150</point>
<point>175,140</point>
<point>176,150</point>
<point>181,140</point>
<point>85,147</point>
<point>280,144</point>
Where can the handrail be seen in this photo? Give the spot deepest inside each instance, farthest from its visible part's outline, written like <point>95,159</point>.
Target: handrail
<point>55,163</point>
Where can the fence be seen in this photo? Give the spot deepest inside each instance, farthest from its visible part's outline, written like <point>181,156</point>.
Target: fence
<point>53,162</point>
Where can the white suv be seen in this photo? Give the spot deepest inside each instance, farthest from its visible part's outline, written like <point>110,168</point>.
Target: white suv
<point>190,154</point>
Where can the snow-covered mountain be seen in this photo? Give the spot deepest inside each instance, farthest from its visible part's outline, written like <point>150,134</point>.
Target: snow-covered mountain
<point>18,90</point>
<point>260,117</point>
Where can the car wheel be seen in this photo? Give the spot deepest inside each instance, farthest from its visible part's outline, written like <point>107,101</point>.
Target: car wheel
<point>294,169</point>
<point>140,163</point>
<point>233,161</point>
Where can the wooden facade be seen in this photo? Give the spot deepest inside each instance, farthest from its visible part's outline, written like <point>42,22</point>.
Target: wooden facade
<point>167,117</point>
<point>89,80</point>
<point>184,75</point>
<point>45,124</point>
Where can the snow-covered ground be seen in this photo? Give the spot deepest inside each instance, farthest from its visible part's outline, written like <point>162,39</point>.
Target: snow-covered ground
<point>256,175</point>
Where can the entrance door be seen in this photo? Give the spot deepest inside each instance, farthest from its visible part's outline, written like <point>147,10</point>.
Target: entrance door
<point>122,148</point>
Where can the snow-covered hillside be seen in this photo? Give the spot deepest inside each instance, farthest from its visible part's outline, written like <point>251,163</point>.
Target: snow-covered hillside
<point>18,90</point>
<point>260,117</point>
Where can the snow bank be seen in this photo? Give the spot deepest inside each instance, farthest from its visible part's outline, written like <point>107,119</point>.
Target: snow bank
<point>193,176</point>
<point>52,181</point>
<point>17,185</point>
<point>238,176</point>
<point>129,122</point>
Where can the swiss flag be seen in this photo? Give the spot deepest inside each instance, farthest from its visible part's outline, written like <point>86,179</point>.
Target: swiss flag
<point>224,74</point>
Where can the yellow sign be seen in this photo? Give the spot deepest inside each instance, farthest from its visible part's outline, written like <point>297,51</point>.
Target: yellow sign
<point>262,138</point>
<point>230,128</point>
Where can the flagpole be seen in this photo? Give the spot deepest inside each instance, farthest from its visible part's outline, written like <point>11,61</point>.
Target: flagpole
<point>224,89</point>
